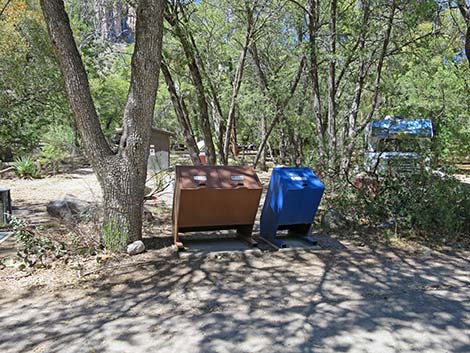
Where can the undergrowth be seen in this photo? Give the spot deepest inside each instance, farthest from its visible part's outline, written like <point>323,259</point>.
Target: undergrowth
<point>428,206</point>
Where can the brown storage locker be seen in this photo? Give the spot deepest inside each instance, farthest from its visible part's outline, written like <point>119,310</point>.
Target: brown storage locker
<point>213,198</point>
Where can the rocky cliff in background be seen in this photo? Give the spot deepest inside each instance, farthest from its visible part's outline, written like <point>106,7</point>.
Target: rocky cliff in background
<point>112,20</point>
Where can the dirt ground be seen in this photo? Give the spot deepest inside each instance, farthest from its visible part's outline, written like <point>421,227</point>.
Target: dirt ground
<point>348,296</point>
<point>357,299</point>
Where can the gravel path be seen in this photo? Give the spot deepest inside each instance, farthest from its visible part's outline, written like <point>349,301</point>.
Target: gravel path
<point>353,300</point>
<point>81,183</point>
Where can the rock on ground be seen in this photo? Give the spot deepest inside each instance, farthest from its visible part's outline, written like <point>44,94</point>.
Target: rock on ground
<point>67,207</point>
<point>136,247</point>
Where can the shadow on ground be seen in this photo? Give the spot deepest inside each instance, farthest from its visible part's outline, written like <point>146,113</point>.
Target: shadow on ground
<point>355,300</point>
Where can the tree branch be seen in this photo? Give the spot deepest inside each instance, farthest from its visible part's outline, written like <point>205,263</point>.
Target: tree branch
<point>76,80</point>
<point>4,7</point>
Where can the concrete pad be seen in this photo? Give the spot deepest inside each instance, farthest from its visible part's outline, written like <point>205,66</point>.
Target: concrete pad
<point>4,236</point>
<point>200,247</point>
<point>297,242</point>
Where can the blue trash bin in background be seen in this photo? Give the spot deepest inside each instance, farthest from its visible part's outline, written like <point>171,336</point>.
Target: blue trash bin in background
<point>292,201</point>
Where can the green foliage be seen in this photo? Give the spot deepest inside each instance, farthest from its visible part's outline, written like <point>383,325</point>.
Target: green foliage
<point>31,90</point>
<point>58,145</point>
<point>114,238</point>
<point>438,89</point>
<point>424,205</point>
<point>52,156</point>
<point>33,249</point>
<point>25,167</point>
<point>110,95</point>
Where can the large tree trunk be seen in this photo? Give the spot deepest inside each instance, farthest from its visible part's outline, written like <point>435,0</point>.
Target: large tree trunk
<point>122,175</point>
<point>123,185</point>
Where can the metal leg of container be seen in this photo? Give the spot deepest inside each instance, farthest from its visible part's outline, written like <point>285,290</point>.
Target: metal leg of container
<point>6,206</point>
<point>245,234</point>
<point>10,212</point>
<point>275,241</point>
<point>303,230</point>
<point>310,239</point>
<point>176,238</point>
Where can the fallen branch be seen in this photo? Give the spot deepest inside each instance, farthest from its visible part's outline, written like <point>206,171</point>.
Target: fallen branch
<point>6,170</point>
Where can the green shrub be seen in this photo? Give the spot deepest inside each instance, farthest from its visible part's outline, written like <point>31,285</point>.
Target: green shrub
<point>426,205</point>
<point>58,146</point>
<point>34,249</point>
<point>52,156</point>
<point>25,167</point>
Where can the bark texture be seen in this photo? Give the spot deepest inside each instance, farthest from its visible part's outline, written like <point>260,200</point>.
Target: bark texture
<point>121,175</point>
<point>464,8</point>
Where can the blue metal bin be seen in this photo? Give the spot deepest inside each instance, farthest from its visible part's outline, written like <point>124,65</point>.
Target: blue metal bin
<point>292,201</point>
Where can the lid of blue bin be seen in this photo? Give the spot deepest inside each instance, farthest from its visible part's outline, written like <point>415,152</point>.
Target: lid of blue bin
<point>296,178</point>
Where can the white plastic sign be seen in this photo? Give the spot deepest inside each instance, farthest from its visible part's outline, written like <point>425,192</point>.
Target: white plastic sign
<point>200,178</point>
<point>237,177</point>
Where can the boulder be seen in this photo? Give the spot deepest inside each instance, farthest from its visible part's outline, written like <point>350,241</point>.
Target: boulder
<point>67,207</point>
<point>136,247</point>
<point>333,220</point>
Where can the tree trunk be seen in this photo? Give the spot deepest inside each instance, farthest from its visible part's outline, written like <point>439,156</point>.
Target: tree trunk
<point>357,129</point>
<point>123,185</point>
<point>230,133</point>
<point>467,41</point>
<point>351,122</point>
<point>218,116</point>
<point>263,86</point>
<point>194,70</point>
<point>280,106</point>
<point>313,25</point>
<point>332,85</point>
<point>122,175</point>
<point>262,152</point>
<point>464,8</point>
<point>183,120</point>
<point>219,124</point>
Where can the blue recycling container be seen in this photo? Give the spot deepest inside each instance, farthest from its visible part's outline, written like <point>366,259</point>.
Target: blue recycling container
<point>292,201</point>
